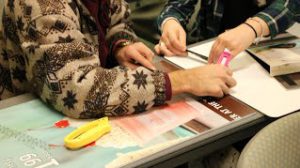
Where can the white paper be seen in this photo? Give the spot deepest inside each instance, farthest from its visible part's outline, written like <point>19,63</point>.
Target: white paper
<point>186,62</point>
<point>206,116</point>
<point>203,49</point>
<point>258,89</point>
<point>254,86</point>
<point>294,30</point>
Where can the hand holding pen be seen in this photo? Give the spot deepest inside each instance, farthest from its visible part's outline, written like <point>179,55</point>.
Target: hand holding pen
<point>173,40</point>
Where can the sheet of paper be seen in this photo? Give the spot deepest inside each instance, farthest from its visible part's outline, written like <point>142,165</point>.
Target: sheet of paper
<point>186,62</point>
<point>149,125</point>
<point>146,126</point>
<point>203,49</point>
<point>254,85</point>
<point>207,117</point>
<point>261,91</point>
<point>294,30</point>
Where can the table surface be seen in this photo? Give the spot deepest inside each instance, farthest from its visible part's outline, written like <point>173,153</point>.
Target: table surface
<point>193,148</point>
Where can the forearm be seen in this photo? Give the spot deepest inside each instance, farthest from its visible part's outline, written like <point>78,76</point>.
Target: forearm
<point>280,15</point>
<point>80,88</point>
<point>260,26</point>
<point>178,84</point>
<point>63,68</point>
<point>179,9</point>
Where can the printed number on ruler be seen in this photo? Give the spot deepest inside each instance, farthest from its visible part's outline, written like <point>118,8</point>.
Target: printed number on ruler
<point>31,159</point>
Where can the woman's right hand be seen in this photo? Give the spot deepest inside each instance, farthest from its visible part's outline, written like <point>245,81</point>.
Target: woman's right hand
<point>173,39</point>
<point>235,40</point>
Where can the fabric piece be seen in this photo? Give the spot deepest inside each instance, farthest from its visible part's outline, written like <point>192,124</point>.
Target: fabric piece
<point>276,145</point>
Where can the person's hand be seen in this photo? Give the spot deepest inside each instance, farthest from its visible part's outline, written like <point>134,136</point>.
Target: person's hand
<point>173,39</point>
<point>210,80</point>
<point>235,40</point>
<point>134,54</point>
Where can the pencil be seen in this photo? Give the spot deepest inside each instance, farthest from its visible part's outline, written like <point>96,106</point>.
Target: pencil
<point>198,55</point>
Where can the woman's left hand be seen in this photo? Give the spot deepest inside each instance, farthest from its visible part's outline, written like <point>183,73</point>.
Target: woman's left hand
<point>134,54</point>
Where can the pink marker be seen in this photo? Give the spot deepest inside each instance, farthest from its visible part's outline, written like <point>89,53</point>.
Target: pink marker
<point>225,57</point>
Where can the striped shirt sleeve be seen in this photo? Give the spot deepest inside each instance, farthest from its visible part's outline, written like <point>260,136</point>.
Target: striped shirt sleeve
<point>280,15</point>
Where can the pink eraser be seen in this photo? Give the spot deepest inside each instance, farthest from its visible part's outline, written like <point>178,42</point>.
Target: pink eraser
<point>225,57</point>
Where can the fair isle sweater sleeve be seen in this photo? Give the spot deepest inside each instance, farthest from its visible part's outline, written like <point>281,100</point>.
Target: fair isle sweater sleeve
<point>63,67</point>
<point>119,24</point>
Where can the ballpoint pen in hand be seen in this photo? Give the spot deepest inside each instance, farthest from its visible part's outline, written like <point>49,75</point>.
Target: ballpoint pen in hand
<point>197,54</point>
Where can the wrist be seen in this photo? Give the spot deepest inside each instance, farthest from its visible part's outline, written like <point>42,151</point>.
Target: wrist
<point>264,25</point>
<point>121,44</point>
<point>256,26</point>
<point>169,20</point>
<point>259,26</point>
<point>250,29</point>
<point>178,82</point>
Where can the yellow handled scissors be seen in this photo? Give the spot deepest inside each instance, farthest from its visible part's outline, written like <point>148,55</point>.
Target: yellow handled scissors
<point>87,133</point>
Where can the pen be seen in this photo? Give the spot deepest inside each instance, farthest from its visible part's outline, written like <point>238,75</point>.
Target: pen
<point>283,45</point>
<point>276,45</point>
<point>197,54</point>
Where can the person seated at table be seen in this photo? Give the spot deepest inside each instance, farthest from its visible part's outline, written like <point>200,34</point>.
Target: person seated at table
<point>275,19</point>
<point>213,18</point>
<point>143,17</point>
<point>80,57</point>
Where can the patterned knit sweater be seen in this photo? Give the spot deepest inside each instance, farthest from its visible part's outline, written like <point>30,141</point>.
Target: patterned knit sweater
<point>51,48</point>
